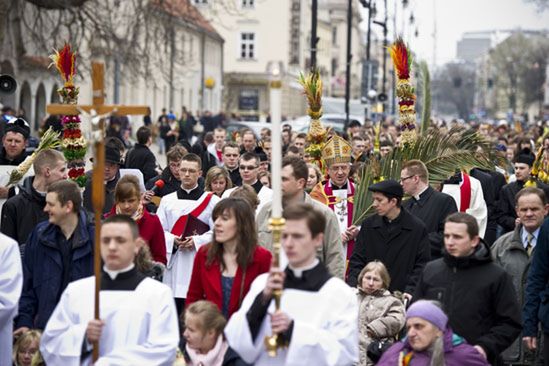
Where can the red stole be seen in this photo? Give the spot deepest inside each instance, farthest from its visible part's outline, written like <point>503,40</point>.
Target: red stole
<point>331,203</point>
<point>180,224</point>
<point>465,193</point>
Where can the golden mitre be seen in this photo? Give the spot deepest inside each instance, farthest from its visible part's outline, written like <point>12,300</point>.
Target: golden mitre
<point>336,150</point>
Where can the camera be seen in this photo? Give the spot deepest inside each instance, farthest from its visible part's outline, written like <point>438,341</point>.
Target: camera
<point>8,85</point>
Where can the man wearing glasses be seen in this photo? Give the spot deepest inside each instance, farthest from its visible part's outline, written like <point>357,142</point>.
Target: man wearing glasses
<point>338,191</point>
<point>249,170</point>
<point>184,234</point>
<point>427,204</point>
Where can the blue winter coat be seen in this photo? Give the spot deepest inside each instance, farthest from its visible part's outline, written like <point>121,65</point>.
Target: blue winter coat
<point>43,269</point>
<point>536,298</point>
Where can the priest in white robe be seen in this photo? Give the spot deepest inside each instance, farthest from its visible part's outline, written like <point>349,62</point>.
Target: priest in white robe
<point>138,324</point>
<point>11,284</point>
<point>318,314</point>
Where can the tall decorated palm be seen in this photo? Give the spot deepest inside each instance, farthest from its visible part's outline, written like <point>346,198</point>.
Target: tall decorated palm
<point>443,153</point>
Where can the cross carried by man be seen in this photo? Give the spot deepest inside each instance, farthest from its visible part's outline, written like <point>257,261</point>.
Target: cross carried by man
<point>98,110</point>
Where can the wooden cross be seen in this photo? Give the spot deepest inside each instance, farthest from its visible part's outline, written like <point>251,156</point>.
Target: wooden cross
<point>98,189</point>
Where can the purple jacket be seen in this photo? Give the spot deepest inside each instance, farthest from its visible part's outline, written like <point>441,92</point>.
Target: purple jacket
<point>456,353</point>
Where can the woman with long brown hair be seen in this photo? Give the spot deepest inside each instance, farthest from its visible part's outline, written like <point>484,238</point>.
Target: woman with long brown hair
<point>224,269</point>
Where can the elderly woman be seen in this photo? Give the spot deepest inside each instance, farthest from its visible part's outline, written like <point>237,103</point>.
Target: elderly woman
<point>217,181</point>
<point>381,315</point>
<point>430,341</point>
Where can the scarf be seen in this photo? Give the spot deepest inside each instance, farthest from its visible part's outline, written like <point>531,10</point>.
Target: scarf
<point>214,357</point>
<point>137,215</point>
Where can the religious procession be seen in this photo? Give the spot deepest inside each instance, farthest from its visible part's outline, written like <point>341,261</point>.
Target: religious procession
<point>367,205</point>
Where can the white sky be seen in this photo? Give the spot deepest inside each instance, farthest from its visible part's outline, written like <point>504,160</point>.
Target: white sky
<point>455,17</point>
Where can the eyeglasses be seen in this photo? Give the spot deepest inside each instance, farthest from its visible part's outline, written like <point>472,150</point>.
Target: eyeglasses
<point>248,167</point>
<point>406,178</point>
<point>190,171</point>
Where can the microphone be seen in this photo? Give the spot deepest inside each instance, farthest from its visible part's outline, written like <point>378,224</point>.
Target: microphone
<point>159,184</point>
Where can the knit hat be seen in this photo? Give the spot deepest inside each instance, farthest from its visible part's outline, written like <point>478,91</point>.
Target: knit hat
<point>18,125</point>
<point>428,311</point>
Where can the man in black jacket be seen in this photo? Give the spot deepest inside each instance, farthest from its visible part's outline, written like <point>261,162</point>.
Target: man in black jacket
<point>140,156</point>
<point>476,293</point>
<point>427,204</point>
<point>392,236</point>
<point>22,212</point>
<point>14,141</point>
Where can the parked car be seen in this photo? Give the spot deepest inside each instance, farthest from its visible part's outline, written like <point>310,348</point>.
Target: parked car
<point>335,121</point>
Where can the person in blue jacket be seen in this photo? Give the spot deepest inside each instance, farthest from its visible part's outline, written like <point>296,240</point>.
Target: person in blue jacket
<point>58,251</point>
<point>536,303</point>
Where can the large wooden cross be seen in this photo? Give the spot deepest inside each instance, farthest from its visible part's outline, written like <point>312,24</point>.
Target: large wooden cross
<point>98,188</point>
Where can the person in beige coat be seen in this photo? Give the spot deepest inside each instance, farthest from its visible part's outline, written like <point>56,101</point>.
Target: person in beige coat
<point>381,315</point>
<point>294,180</point>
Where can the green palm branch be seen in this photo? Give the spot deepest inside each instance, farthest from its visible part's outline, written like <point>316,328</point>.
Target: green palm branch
<point>443,154</point>
<point>426,88</point>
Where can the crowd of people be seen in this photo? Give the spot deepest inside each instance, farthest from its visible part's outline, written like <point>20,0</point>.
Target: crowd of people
<point>452,274</point>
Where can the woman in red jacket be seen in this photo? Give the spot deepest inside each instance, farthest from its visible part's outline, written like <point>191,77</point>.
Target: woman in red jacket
<point>224,269</point>
<point>127,196</point>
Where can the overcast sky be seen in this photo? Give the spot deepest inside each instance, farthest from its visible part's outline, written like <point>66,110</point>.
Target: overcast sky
<point>455,17</point>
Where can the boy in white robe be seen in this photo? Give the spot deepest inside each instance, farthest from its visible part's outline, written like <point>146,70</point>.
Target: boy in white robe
<point>138,323</point>
<point>189,199</point>
<point>318,315</point>
<point>11,284</point>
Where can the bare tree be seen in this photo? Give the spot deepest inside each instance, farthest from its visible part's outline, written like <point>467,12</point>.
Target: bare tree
<point>454,89</point>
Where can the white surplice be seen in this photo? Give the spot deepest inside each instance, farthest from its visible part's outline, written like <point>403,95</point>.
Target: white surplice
<point>325,328</point>
<point>180,264</point>
<point>477,207</point>
<point>11,284</point>
<point>141,326</point>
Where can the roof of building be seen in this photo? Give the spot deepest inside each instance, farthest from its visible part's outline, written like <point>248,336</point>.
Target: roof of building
<point>183,9</point>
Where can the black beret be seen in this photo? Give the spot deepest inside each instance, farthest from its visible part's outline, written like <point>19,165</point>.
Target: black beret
<point>19,125</point>
<point>525,157</point>
<point>390,188</point>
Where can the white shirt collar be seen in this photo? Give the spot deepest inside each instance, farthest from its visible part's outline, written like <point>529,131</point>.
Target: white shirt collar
<point>298,272</point>
<point>114,273</point>
<point>189,190</point>
<point>419,193</point>
<point>524,237</point>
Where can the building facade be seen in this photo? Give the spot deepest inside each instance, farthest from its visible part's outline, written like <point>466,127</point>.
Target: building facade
<point>259,33</point>
<point>190,75</point>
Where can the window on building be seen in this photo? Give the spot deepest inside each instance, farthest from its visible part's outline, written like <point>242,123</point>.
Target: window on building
<point>247,45</point>
<point>334,35</point>
<point>248,3</point>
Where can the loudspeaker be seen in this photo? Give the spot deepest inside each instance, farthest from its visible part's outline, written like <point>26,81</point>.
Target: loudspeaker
<point>8,85</point>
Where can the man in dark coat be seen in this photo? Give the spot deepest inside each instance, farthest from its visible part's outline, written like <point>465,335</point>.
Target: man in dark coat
<point>14,141</point>
<point>112,174</point>
<point>231,156</point>
<point>536,303</point>
<point>392,236</point>
<point>491,183</point>
<point>57,252</point>
<point>140,156</point>
<point>426,203</point>
<point>22,212</point>
<point>505,211</point>
<point>477,294</point>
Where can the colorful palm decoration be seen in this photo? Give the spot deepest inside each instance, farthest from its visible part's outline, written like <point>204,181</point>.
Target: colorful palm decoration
<point>74,144</point>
